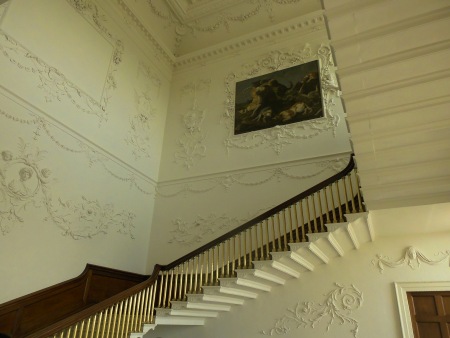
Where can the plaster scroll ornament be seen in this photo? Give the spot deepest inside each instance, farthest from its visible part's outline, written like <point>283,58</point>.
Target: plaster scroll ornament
<point>53,82</point>
<point>280,136</point>
<point>412,258</point>
<point>24,184</point>
<point>338,306</point>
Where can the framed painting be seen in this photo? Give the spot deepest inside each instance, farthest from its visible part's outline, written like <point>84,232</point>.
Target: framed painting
<point>282,97</point>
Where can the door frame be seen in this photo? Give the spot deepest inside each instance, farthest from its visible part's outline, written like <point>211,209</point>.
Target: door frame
<point>401,289</point>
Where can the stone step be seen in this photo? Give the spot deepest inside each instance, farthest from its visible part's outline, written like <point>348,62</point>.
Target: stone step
<point>260,275</point>
<point>244,284</point>
<point>217,290</point>
<point>200,306</point>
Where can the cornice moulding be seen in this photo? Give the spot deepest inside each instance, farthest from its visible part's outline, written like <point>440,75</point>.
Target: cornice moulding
<point>299,26</point>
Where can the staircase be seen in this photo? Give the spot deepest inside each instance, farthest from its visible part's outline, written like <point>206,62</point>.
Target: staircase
<point>298,261</point>
<point>287,242</point>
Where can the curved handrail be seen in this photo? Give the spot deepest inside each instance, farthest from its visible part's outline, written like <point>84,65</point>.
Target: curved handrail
<point>108,303</point>
<point>350,166</point>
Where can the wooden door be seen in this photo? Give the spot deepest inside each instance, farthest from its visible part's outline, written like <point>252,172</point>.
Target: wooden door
<point>430,313</point>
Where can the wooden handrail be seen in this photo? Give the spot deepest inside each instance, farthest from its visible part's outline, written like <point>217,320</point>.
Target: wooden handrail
<point>124,295</point>
<point>350,166</point>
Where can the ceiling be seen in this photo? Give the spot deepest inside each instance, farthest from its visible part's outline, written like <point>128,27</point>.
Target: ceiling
<point>187,26</point>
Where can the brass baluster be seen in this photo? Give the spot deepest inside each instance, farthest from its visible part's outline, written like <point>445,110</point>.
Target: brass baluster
<point>349,178</point>
<point>302,221</point>
<point>250,246</point>
<point>93,327</point>
<point>297,235</point>
<point>213,282</point>
<point>113,321</point>
<point>322,224</point>
<point>152,301</point>
<point>87,327</point>
<point>105,319</point>
<point>207,268</point>
<point>316,230</point>
<point>244,233</point>
<point>267,238</point>
<point>165,291</point>
<point>309,216</point>
<point>124,318</point>
<point>186,279</point>
<point>228,257</point>
<point>273,234</point>
<point>146,305</point>
<point>284,228</point>
<point>327,215</point>
<point>169,296</point>
<point>335,220</point>
<point>224,260</point>
<point>201,271</point>
<point>195,288</point>
<point>358,191</point>
<point>131,313</point>
<point>99,325</point>
<point>261,244</point>
<point>291,230</point>
<point>175,287</point>
<point>341,214</point>
<point>347,210</point>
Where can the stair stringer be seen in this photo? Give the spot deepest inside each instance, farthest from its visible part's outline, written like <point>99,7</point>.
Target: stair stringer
<point>302,257</point>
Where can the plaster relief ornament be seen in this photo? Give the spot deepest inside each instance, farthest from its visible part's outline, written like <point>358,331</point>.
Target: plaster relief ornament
<point>191,145</point>
<point>52,81</point>
<point>338,306</point>
<point>280,136</point>
<point>412,258</point>
<point>25,185</point>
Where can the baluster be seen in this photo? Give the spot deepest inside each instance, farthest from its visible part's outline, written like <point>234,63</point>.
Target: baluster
<point>347,210</point>
<point>282,247</point>
<point>327,215</point>
<point>169,297</point>
<point>233,255</point>
<point>201,271</point>
<point>99,325</point>
<point>239,252</point>
<point>358,191</point>
<point>145,306</point>
<point>291,230</point>
<point>341,214</point>
<point>196,287</point>
<point>175,286</point>
<point>87,328</point>
<point>335,220</point>
<point>105,319</point>
<point>261,242</point>
<point>302,214</point>
<point>316,230</point>
<point>322,224</point>
<point>213,282</point>
<point>352,194</point>
<point>207,268</point>
<point>250,256</point>
<point>186,275</point>
<point>297,235</point>
<point>132,312</point>
<point>229,257</point>
<point>308,214</point>
<point>267,238</point>
<point>114,321</point>
<point>224,260</point>
<point>244,234</point>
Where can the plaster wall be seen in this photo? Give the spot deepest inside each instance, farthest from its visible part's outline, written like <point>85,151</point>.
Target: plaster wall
<point>212,181</point>
<point>82,114</point>
<point>349,297</point>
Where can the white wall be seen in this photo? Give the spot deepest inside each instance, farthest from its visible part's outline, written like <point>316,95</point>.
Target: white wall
<point>212,181</point>
<point>82,107</point>
<point>354,280</point>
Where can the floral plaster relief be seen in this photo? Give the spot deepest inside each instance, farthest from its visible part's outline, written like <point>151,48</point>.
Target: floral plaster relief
<point>338,306</point>
<point>42,127</point>
<point>191,146</point>
<point>25,184</point>
<point>146,94</point>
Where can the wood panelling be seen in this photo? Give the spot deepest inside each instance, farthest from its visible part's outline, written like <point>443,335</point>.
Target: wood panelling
<point>35,311</point>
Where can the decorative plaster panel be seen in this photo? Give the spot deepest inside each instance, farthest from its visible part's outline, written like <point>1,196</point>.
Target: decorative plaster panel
<point>281,136</point>
<point>191,145</point>
<point>52,81</point>
<point>146,90</point>
<point>337,306</point>
<point>25,184</point>
<point>69,143</point>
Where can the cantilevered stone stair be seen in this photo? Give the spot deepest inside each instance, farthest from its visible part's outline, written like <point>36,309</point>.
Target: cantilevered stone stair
<point>298,261</point>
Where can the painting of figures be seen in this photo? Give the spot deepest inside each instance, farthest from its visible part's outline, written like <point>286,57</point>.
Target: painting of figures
<point>286,96</point>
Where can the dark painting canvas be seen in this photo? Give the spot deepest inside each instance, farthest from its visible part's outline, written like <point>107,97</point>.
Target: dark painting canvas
<point>286,96</point>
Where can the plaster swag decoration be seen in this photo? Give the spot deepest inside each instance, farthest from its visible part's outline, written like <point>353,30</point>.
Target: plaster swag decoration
<point>43,127</point>
<point>24,184</point>
<point>254,178</point>
<point>52,81</point>
<point>146,93</point>
<point>279,137</point>
<point>338,305</point>
<point>215,21</point>
<point>203,227</point>
<point>413,258</point>
<point>191,145</point>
